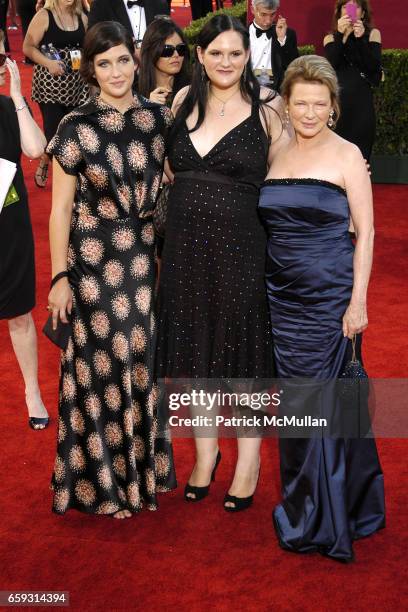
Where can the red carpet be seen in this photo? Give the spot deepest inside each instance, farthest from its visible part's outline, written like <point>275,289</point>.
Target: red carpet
<point>187,556</point>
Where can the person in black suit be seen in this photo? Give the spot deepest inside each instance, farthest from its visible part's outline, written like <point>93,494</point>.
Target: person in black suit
<point>3,22</point>
<point>135,15</point>
<point>273,44</point>
<point>200,8</point>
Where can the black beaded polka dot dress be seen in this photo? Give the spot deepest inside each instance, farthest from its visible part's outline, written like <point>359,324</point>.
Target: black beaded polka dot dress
<point>212,305</point>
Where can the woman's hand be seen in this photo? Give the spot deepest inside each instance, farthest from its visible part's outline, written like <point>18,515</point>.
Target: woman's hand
<point>344,24</point>
<point>55,67</point>
<point>159,95</point>
<point>358,28</point>
<point>60,302</point>
<point>15,82</point>
<point>355,320</point>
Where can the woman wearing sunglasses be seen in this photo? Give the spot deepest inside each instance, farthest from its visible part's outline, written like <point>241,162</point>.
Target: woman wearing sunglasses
<point>164,61</point>
<point>19,133</point>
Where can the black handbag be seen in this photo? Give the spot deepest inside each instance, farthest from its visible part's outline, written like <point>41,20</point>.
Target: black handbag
<point>160,210</point>
<point>60,336</point>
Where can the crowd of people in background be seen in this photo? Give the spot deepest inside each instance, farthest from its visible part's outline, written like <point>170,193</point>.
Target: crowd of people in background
<point>124,110</point>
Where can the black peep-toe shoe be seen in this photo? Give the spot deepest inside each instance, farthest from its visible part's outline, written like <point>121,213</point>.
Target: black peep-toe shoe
<point>241,503</point>
<point>38,423</point>
<point>201,492</point>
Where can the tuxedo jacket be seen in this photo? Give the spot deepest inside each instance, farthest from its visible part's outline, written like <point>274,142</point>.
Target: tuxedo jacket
<point>115,10</point>
<point>282,55</point>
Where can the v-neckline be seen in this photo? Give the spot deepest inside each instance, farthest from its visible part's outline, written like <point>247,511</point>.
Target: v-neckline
<point>202,157</point>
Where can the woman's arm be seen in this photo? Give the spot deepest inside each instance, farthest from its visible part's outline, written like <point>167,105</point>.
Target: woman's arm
<point>278,130</point>
<point>35,33</point>
<point>31,137</point>
<point>63,193</point>
<point>370,54</point>
<point>360,198</point>
<point>333,48</point>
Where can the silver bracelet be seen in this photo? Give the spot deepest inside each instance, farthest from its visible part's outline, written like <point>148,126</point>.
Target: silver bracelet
<point>21,108</point>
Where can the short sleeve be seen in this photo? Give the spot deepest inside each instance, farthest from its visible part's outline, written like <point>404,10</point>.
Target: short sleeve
<point>167,122</point>
<point>66,147</point>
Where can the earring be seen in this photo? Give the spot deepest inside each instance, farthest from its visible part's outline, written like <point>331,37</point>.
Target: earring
<point>287,120</point>
<point>203,73</point>
<point>330,122</point>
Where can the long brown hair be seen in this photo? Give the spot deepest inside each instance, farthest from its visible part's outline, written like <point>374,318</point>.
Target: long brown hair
<point>365,7</point>
<point>153,43</point>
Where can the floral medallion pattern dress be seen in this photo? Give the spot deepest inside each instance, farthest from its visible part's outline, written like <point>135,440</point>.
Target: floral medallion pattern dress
<point>109,455</point>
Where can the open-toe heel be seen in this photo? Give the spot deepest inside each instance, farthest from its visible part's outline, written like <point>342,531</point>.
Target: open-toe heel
<point>240,503</point>
<point>41,174</point>
<point>201,492</point>
<point>38,423</point>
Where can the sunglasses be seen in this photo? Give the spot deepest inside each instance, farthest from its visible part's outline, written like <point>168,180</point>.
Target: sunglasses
<point>168,50</point>
<point>3,58</point>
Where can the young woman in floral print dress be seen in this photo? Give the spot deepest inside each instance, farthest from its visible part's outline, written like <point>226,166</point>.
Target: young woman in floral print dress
<point>108,159</point>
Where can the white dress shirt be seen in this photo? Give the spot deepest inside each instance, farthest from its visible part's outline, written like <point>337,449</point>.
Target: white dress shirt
<point>261,50</point>
<point>137,19</point>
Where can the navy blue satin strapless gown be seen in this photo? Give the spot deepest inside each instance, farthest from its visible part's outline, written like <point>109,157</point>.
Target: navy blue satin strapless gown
<point>333,489</point>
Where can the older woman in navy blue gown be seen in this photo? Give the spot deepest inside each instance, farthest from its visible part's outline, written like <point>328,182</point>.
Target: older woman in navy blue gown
<point>317,289</point>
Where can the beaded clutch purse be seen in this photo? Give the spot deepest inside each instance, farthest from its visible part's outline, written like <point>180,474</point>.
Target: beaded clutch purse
<point>352,375</point>
<point>160,211</point>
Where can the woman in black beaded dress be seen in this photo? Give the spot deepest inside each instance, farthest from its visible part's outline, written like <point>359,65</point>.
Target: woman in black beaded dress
<point>354,51</point>
<point>57,86</point>
<point>213,315</point>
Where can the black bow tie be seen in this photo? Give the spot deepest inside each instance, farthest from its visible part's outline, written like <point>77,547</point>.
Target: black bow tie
<point>132,3</point>
<point>259,32</point>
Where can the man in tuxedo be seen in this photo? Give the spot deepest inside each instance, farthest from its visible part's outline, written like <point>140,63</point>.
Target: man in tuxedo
<point>273,44</point>
<point>135,15</point>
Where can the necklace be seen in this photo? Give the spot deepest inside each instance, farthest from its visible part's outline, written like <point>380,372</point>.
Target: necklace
<point>59,15</point>
<point>224,102</point>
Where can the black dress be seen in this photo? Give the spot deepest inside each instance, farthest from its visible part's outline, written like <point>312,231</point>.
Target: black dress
<point>17,273</point>
<point>213,314</point>
<point>109,455</point>
<point>358,68</point>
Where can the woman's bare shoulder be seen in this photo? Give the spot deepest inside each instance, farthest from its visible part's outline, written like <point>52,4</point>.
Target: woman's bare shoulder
<point>179,98</point>
<point>375,36</point>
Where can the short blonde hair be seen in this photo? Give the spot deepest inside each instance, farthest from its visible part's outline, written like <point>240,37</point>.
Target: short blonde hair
<point>52,4</point>
<point>313,69</point>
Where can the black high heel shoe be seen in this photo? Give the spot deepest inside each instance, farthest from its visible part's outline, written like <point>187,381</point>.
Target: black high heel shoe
<point>38,423</point>
<point>241,503</point>
<point>201,492</point>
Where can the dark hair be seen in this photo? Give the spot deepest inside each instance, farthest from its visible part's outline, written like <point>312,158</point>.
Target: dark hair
<point>154,40</point>
<point>100,38</point>
<point>198,91</point>
<point>363,4</point>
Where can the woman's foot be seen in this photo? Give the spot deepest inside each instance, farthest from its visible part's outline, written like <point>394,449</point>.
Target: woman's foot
<point>202,474</point>
<point>122,514</point>
<point>37,412</point>
<point>242,488</point>
<point>41,174</point>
